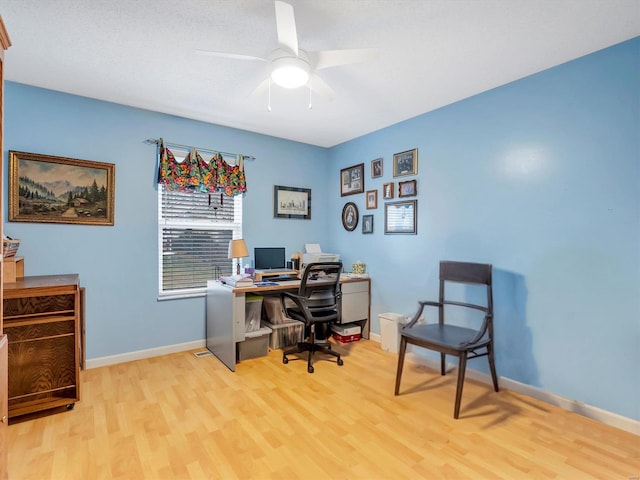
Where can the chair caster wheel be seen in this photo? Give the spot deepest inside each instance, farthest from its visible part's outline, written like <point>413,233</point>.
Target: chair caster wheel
<point>71,406</point>
<point>285,360</point>
<point>340,362</point>
<point>310,369</point>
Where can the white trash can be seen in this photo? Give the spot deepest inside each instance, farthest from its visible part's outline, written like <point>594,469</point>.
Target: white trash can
<point>390,324</point>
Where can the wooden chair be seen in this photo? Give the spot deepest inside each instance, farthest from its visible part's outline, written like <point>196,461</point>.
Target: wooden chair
<point>317,304</point>
<point>447,338</point>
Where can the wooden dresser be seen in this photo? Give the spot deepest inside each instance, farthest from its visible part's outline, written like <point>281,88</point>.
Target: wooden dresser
<point>42,324</point>
<point>5,43</point>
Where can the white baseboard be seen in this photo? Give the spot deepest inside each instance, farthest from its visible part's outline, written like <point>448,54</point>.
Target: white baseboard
<point>140,354</point>
<point>603,416</point>
<point>595,413</point>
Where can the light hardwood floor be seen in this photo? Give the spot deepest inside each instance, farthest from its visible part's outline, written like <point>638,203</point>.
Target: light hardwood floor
<point>182,417</point>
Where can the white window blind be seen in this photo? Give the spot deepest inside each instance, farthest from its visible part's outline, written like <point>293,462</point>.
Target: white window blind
<point>194,230</point>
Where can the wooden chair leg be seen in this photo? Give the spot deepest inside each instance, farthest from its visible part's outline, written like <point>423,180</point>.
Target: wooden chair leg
<point>403,348</point>
<point>462,366</point>
<point>492,367</point>
<point>443,362</point>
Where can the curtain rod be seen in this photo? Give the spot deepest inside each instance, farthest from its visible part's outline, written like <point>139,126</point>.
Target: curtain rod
<point>189,147</point>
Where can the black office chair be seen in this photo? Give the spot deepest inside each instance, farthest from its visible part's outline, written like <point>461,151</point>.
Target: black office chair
<point>317,304</point>
<point>448,339</point>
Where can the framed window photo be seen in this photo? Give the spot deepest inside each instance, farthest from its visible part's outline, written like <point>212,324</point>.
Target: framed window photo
<point>372,199</point>
<point>48,189</point>
<point>350,216</point>
<point>387,191</point>
<point>376,168</point>
<point>291,202</point>
<point>405,163</point>
<point>407,189</point>
<point>367,224</point>
<point>401,217</point>
<point>352,180</point>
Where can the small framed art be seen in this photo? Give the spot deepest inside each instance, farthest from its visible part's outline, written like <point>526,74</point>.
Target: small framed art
<point>372,199</point>
<point>407,189</point>
<point>367,224</point>
<point>405,163</point>
<point>387,191</point>
<point>400,217</point>
<point>291,202</point>
<point>352,180</point>
<point>350,216</point>
<point>376,168</point>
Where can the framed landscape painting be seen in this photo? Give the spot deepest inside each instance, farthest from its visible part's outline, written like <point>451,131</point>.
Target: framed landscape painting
<point>49,189</point>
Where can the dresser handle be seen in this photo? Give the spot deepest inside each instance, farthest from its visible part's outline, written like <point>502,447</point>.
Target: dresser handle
<point>4,419</point>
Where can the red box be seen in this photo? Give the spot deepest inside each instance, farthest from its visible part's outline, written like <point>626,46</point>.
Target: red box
<point>347,338</point>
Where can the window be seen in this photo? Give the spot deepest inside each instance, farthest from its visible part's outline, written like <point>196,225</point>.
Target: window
<point>194,230</point>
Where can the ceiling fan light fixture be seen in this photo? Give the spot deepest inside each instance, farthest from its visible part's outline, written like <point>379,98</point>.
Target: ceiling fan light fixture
<point>289,72</point>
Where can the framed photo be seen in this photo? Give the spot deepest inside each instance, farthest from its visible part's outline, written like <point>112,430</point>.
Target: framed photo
<point>48,189</point>
<point>367,224</point>
<point>376,168</point>
<point>291,202</point>
<point>407,189</point>
<point>405,163</point>
<point>352,180</point>
<point>400,217</point>
<point>350,216</point>
<point>387,191</point>
<point>372,199</point>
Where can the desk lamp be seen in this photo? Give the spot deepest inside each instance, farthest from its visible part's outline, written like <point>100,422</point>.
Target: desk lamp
<point>238,249</point>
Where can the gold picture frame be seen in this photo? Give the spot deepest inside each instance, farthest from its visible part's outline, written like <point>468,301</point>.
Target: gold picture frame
<point>50,189</point>
<point>372,199</point>
<point>408,188</point>
<point>405,163</point>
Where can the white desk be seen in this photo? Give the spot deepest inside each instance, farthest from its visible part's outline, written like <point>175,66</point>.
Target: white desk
<point>226,312</point>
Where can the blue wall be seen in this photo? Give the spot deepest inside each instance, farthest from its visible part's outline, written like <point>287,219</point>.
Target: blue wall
<point>539,177</point>
<point>118,265</point>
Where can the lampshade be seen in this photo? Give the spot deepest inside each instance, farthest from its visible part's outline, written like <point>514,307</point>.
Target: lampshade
<point>238,249</point>
<point>289,72</point>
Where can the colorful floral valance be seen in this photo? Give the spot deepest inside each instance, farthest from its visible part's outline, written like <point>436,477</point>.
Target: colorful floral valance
<point>196,175</point>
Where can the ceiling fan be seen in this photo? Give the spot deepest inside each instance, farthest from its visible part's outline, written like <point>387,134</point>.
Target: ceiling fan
<point>290,66</point>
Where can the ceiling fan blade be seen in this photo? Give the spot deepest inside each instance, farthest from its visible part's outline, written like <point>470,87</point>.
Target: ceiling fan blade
<point>286,27</point>
<point>262,87</point>
<point>235,56</point>
<point>334,58</point>
<point>320,87</point>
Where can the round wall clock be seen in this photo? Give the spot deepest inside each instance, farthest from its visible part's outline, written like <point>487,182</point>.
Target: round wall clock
<point>350,216</point>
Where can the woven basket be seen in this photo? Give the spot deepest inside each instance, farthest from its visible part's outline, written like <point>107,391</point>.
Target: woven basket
<point>10,247</point>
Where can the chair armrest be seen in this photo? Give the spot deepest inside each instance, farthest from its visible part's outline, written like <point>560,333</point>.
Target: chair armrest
<point>421,305</point>
<point>481,332</point>
<point>301,302</point>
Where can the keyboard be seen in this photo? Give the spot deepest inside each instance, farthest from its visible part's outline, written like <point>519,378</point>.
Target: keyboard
<point>280,278</point>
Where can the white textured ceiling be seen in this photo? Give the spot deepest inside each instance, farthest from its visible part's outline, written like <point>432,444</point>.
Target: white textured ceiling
<point>432,53</point>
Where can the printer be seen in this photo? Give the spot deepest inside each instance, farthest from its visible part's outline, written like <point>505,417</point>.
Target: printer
<point>313,254</point>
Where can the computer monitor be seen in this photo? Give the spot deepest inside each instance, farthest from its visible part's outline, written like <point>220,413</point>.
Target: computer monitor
<point>269,258</point>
